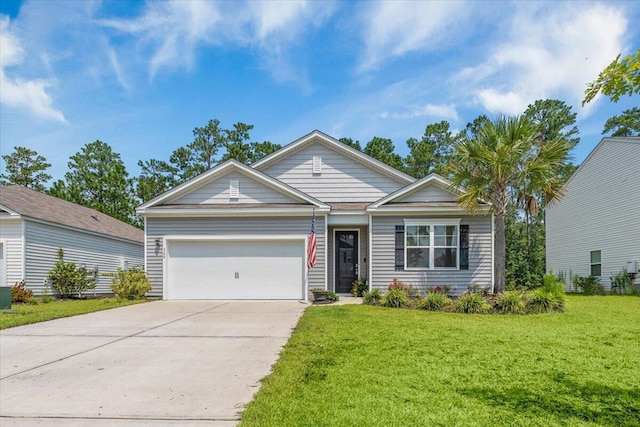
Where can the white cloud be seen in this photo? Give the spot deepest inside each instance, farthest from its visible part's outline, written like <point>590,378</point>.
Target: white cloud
<point>28,94</point>
<point>551,52</point>
<point>394,28</point>
<point>170,33</point>
<point>447,112</point>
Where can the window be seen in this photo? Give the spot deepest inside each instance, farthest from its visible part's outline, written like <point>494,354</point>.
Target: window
<point>596,263</point>
<point>431,246</point>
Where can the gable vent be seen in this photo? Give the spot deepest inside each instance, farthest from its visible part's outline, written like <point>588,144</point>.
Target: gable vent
<point>317,164</point>
<point>234,189</point>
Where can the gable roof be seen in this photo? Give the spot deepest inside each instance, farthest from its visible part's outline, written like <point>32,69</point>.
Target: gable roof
<point>33,204</point>
<point>431,179</point>
<point>603,141</point>
<point>222,169</point>
<point>318,136</point>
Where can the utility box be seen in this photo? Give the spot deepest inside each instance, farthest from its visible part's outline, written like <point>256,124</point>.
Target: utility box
<point>632,266</point>
<point>5,297</point>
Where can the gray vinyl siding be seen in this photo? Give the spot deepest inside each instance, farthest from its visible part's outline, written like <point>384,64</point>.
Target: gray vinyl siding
<point>431,193</point>
<point>383,256</point>
<point>217,192</point>
<point>343,179</point>
<point>11,237</point>
<point>363,247</point>
<point>158,228</point>
<point>600,211</point>
<point>41,250</point>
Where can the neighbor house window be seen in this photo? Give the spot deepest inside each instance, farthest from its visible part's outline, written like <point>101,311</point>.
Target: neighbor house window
<point>431,245</point>
<point>596,263</point>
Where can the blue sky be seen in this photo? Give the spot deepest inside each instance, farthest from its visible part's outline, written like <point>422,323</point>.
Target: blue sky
<point>141,75</point>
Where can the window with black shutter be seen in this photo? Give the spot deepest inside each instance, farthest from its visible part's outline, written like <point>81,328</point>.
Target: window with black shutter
<point>399,247</point>
<point>464,247</point>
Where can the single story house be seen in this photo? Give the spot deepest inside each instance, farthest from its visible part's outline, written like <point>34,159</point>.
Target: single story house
<point>595,228</point>
<point>33,226</point>
<point>241,232</point>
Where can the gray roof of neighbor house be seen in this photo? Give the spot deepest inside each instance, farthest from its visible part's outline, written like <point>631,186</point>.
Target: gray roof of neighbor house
<point>33,204</point>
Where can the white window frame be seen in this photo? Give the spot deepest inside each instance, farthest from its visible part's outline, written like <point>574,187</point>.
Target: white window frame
<point>591,263</point>
<point>432,223</point>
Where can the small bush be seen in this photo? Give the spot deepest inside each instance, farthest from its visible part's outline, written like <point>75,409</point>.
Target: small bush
<point>397,284</point>
<point>359,287</point>
<point>510,302</point>
<point>541,301</point>
<point>46,297</point>
<point>32,301</point>
<point>476,288</point>
<point>472,303</point>
<point>372,297</point>
<point>332,296</point>
<point>551,284</point>
<point>589,285</point>
<point>435,301</point>
<point>622,283</point>
<point>130,284</point>
<point>20,293</point>
<point>69,279</point>
<point>396,298</point>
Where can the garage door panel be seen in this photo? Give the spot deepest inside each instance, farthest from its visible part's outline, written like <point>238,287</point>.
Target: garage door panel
<point>261,269</point>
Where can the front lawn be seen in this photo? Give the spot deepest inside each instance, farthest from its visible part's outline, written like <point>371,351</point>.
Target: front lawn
<point>373,366</point>
<point>61,308</point>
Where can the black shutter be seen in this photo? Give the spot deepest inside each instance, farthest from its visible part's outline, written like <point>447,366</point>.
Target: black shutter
<point>399,247</point>
<point>464,247</point>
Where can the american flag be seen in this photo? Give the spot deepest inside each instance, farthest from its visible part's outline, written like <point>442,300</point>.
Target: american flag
<point>311,250</point>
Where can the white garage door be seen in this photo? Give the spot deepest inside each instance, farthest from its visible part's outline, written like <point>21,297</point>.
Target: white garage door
<point>236,269</point>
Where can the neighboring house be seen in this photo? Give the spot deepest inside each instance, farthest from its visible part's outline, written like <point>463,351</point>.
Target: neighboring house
<point>241,232</point>
<point>595,228</point>
<point>33,226</point>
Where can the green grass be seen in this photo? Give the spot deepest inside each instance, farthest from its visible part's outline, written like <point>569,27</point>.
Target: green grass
<point>374,366</point>
<point>56,309</point>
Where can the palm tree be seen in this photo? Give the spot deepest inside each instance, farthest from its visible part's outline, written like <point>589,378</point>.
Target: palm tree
<point>503,157</point>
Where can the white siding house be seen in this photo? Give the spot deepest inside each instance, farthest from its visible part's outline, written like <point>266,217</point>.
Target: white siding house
<point>243,232</point>
<point>595,228</point>
<point>33,226</point>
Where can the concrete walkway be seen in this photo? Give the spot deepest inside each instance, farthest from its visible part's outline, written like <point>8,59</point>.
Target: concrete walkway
<point>157,364</point>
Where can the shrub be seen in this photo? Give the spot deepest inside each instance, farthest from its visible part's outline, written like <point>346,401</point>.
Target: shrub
<point>622,282</point>
<point>551,284</point>
<point>396,298</point>
<point>20,293</point>
<point>46,297</point>
<point>397,284</point>
<point>435,301</point>
<point>476,288</point>
<point>359,287</point>
<point>589,285</point>
<point>510,302</point>
<point>372,297</point>
<point>332,296</point>
<point>130,284</point>
<point>540,301</point>
<point>69,279</point>
<point>472,303</point>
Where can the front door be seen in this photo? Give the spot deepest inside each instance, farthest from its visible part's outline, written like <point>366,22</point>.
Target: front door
<point>346,265</point>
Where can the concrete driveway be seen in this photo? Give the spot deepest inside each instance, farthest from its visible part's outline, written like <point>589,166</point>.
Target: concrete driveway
<point>156,364</point>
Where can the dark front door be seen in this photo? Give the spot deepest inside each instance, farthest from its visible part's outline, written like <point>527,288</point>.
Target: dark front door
<point>346,265</point>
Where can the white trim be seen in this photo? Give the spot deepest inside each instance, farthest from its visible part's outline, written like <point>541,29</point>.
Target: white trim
<point>166,240</point>
<point>394,210</point>
<point>211,174</point>
<point>493,253</point>
<point>339,146</point>
<point>357,230</point>
<point>370,260</point>
<point>227,212</point>
<point>344,220</point>
<point>432,224</point>
<point>11,212</point>
<point>438,180</point>
<point>23,241</point>
<point>145,244</point>
<point>326,249</point>
<point>3,262</point>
